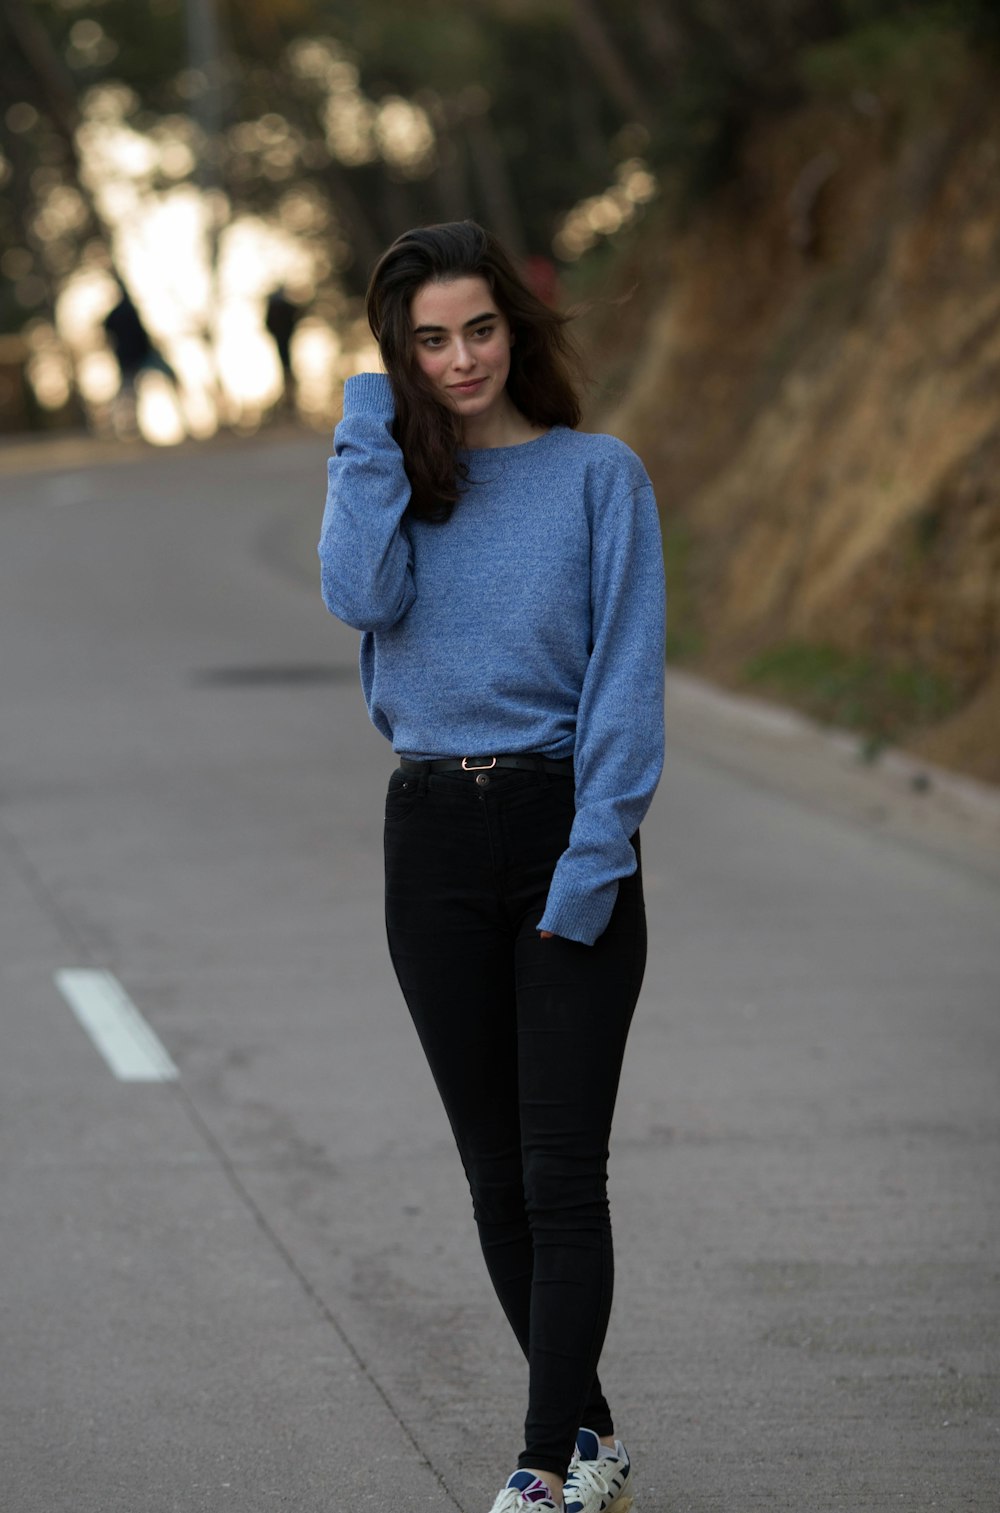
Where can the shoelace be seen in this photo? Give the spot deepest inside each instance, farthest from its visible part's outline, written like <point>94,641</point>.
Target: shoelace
<point>585,1477</point>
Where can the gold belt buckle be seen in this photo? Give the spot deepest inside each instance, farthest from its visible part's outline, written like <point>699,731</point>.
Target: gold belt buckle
<point>479,766</point>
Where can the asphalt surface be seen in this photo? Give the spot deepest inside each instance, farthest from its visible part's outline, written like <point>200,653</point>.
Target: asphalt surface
<point>257,1287</point>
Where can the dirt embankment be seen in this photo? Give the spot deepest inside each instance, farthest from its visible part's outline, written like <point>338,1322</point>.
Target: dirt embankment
<point>816,390</point>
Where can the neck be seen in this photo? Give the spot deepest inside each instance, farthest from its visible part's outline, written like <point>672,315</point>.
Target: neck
<point>505,427</point>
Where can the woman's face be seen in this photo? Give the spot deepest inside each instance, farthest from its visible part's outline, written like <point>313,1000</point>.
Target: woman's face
<point>462,344</point>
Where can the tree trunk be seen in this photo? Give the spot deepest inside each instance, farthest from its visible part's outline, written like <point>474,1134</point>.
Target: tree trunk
<point>55,92</point>
<point>494,181</point>
<point>600,51</point>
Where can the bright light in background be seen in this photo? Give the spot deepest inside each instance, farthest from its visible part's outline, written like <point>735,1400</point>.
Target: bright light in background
<point>604,214</point>
<point>208,327</point>
<point>248,366</point>
<point>48,367</point>
<point>198,394</point>
<point>162,249</point>
<point>316,352</point>
<point>97,375</point>
<point>405,135</point>
<point>82,304</point>
<point>158,412</point>
<point>200,278</point>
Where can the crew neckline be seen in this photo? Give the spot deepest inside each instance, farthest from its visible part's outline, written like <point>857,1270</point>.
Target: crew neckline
<point>516,446</point>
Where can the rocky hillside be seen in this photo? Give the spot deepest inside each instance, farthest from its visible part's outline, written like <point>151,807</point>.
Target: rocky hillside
<point>810,366</point>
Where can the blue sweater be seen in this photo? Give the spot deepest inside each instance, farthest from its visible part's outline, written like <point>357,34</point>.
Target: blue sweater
<point>531,621</point>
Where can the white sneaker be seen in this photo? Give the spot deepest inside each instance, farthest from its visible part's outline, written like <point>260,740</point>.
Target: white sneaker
<point>600,1479</point>
<point>525,1492</point>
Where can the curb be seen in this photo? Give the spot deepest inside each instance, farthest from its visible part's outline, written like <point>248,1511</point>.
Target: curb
<point>954,817</point>
<point>63,451</point>
<point>789,724</point>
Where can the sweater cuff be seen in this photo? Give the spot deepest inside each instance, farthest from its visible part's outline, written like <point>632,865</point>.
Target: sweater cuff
<point>577,915</point>
<point>369,394</point>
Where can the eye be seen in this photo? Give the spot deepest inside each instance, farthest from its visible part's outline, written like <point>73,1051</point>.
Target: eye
<point>433,342</point>
<point>484,331</point>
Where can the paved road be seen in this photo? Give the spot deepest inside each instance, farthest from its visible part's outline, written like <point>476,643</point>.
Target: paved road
<point>256,1287</point>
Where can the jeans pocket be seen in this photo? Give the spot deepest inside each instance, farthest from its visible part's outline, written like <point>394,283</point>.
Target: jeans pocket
<point>401,798</point>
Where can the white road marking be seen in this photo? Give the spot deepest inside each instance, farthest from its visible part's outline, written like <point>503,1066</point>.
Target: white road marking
<point>115,1026</point>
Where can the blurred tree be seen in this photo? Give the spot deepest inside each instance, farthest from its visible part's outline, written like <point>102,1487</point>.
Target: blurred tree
<point>49,211</point>
<point>347,120</point>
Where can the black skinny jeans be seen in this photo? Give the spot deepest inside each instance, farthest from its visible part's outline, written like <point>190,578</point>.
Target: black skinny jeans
<point>525,1039</point>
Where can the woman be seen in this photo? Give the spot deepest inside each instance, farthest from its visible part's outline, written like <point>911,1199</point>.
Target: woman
<point>506,573</point>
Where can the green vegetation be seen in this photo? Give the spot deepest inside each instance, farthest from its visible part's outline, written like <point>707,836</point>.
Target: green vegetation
<point>339,123</point>
<point>684,635</point>
<point>529,107</point>
<point>880,699</point>
<point>904,60</point>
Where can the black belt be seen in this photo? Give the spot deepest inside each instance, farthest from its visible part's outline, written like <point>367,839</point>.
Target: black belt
<point>527,762</point>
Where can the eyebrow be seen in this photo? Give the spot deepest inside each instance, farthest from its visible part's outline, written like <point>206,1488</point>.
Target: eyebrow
<point>476,320</point>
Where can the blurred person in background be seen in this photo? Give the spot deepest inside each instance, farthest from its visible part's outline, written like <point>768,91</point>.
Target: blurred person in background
<point>281,317</point>
<point>134,349</point>
<point>506,573</point>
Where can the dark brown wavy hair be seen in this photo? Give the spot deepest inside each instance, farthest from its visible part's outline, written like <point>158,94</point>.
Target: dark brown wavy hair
<point>543,360</point>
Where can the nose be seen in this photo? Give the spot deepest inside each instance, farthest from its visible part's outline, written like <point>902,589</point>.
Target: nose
<point>462,358</point>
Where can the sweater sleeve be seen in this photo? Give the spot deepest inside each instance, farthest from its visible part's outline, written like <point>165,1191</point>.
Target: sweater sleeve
<point>619,741</point>
<point>365,560</point>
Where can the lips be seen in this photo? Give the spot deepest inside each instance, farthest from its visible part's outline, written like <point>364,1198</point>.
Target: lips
<point>468,388</point>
